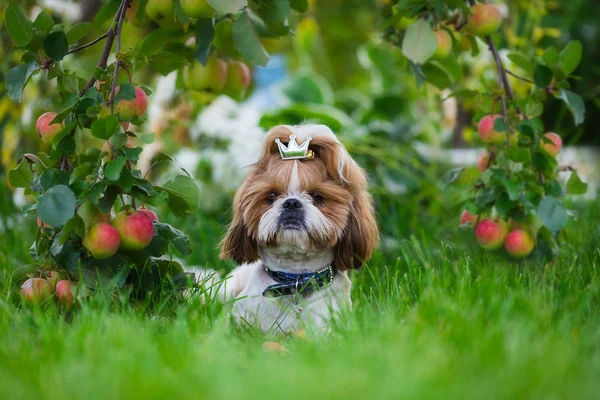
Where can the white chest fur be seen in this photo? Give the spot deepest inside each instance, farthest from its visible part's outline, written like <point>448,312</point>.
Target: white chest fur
<point>284,314</point>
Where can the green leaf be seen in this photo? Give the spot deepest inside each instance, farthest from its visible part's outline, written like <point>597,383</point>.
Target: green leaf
<point>512,189</point>
<point>575,104</point>
<point>503,204</point>
<point>450,176</point>
<point>132,154</point>
<point>575,185</point>
<point>146,138</point>
<point>165,62</point>
<point>24,271</point>
<point>436,76</point>
<point>106,202</point>
<point>174,237</point>
<point>183,195</point>
<point>275,14</point>
<point>21,176</point>
<point>299,5</point>
<point>205,33</point>
<point>112,170</point>
<point>228,6</point>
<point>485,197</point>
<point>521,61</point>
<point>126,92</point>
<point>67,254</point>
<point>19,27</point>
<point>154,42</point>
<point>43,23</point>
<point>65,146</point>
<point>518,154</point>
<point>247,42</point>
<point>56,206</point>
<point>17,78</point>
<point>552,213</point>
<point>570,57</point>
<point>179,15</point>
<point>550,56</point>
<point>419,42</point>
<point>78,31</point>
<point>533,109</point>
<point>542,76</point>
<point>56,45</point>
<point>500,125</point>
<point>106,12</point>
<point>553,188</point>
<point>106,127</point>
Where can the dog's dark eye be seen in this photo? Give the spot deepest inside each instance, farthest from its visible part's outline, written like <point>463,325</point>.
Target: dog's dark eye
<point>317,197</point>
<point>272,196</point>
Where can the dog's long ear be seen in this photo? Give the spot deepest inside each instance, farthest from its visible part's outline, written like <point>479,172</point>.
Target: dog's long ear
<point>361,235</point>
<point>237,244</point>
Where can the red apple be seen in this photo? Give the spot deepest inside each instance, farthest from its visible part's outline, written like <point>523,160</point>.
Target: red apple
<point>42,224</point>
<point>102,240</point>
<point>197,8</point>
<point>519,243</point>
<point>46,129</point>
<point>238,79</point>
<point>482,162</point>
<point>490,234</point>
<point>554,147</point>
<point>487,132</point>
<point>35,290</point>
<point>136,106</point>
<point>64,294</point>
<point>485,19</point>
<point>151,214</point>
<point>467,218</point>
<point>444,44</point>
<point>136,230</point>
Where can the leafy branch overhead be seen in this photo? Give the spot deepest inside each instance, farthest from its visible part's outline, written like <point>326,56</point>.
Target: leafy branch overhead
<point>518,200</point>
<point>90,196</point>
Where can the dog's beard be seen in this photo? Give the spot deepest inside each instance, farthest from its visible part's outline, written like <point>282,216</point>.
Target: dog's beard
<point>310,232</point>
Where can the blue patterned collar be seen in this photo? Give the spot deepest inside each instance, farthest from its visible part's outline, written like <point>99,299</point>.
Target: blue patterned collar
<point>304,283</point>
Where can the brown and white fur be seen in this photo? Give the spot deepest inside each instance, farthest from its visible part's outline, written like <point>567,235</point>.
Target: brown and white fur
<point>298,216</point>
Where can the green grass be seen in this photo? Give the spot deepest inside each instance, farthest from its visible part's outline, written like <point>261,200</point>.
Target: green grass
<point>437,319</point>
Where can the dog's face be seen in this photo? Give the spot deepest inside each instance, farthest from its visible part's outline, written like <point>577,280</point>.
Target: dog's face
<point>303,206</point>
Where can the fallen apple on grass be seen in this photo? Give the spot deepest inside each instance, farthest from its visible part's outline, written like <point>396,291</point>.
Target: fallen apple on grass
<point>35,290</point>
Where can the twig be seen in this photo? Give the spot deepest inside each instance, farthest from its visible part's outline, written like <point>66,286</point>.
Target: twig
<point>110,37</point>
<point>519,77</point>
<point>121,17</point>
<point>502,81</point>
<point>84,46</point>
<point>563,168</point>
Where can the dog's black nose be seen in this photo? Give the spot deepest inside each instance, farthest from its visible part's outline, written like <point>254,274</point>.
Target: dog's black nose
<point>292,204</point>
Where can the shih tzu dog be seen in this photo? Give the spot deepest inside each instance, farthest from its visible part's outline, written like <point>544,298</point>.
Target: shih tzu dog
<point>301,220</point>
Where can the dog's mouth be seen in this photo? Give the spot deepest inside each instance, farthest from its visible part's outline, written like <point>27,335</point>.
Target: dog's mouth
<point>292,223</point>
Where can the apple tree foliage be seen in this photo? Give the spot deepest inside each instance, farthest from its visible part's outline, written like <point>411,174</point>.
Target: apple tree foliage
<point>521,181</point>
<point>71,184</point>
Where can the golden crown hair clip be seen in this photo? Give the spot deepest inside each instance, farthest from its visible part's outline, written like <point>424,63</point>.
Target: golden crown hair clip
<point>294,152</point>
